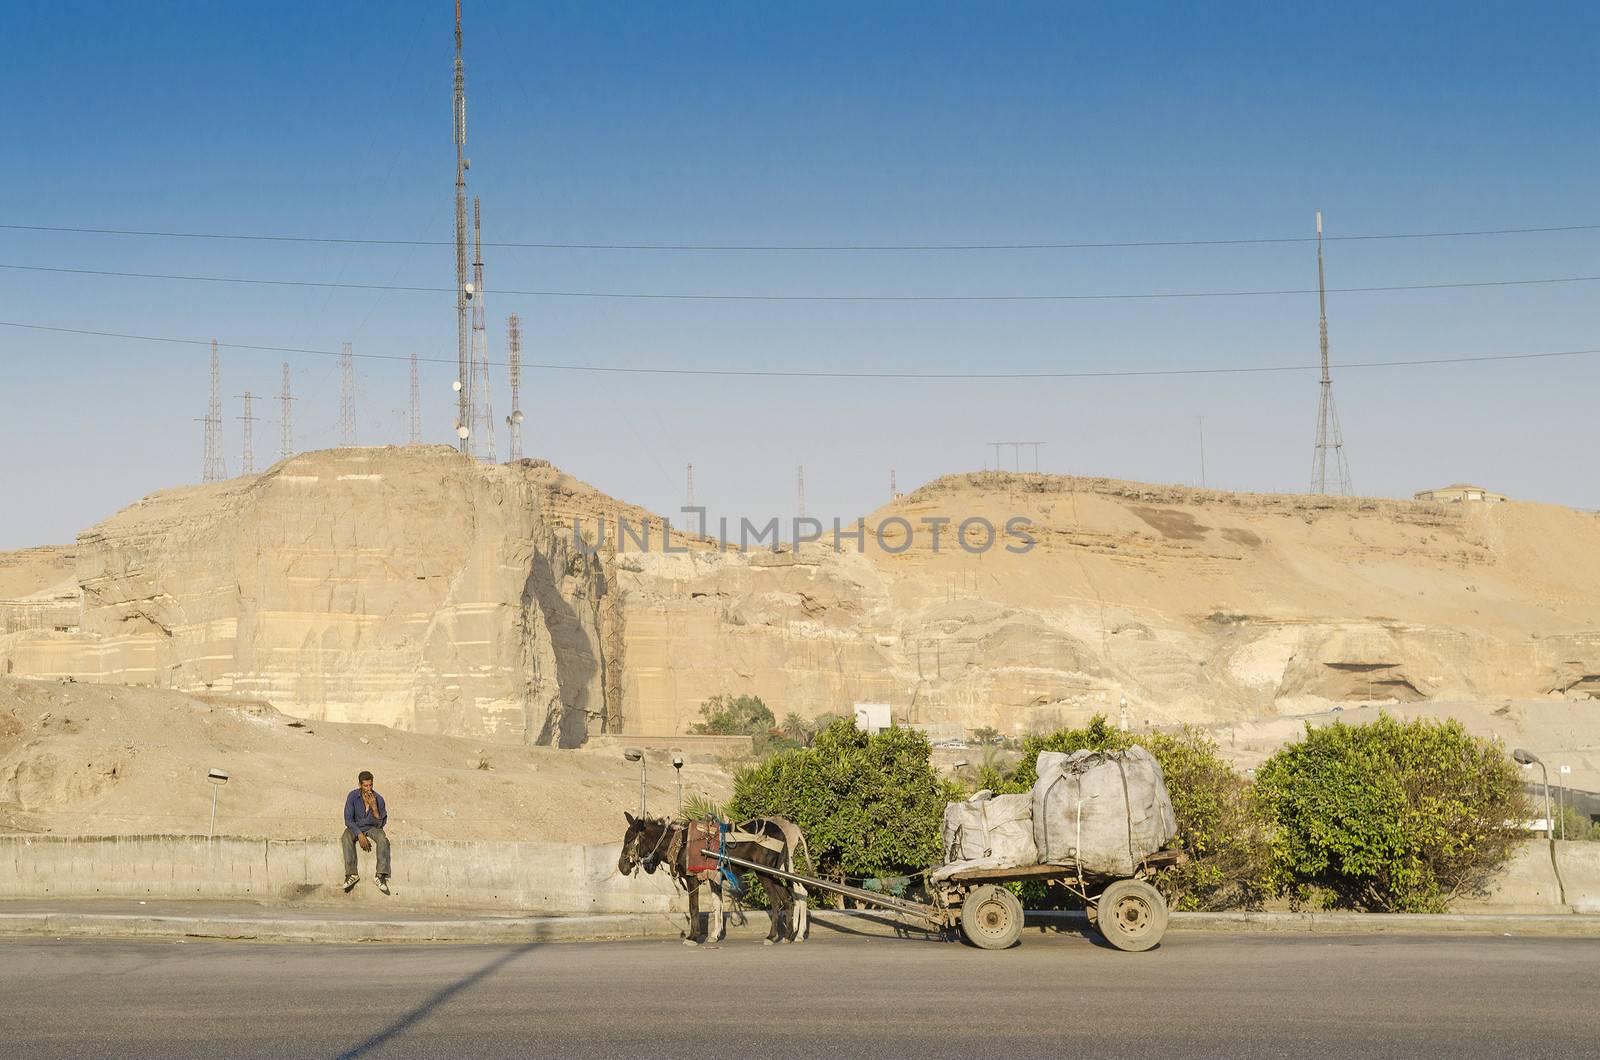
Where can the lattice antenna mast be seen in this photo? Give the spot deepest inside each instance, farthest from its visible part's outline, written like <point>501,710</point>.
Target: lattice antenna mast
<point>416,405</point>
<point>1329,437</point>
<point>463,285</point>
<point>514,421</point>
<point>286,419</point>
<point>213,469</point>
<point>800,489</point>
<point>688,485</point>
<point>482,414</point>
<point>894,491</point>
<point>248,459</point>
<point>347,397</point>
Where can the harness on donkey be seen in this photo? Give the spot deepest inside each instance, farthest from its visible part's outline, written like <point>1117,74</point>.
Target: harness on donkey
<point>696,852</point>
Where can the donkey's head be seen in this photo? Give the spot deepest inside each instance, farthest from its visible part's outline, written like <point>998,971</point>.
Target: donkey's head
<point>643,844</point>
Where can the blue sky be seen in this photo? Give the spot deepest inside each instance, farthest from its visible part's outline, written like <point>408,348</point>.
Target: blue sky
<point>849,123</point>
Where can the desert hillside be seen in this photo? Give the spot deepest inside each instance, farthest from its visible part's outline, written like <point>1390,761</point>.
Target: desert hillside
<point>412,588</point>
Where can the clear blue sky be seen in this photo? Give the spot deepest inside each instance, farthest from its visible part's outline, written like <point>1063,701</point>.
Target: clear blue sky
<point>741,123</point>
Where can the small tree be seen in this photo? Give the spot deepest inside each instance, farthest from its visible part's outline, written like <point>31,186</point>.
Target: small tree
<point>1398,816</point>
<point>869,805</point>
<point>726,715</point>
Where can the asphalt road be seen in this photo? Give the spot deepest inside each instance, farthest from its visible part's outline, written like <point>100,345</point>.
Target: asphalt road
<point>1197,995</point>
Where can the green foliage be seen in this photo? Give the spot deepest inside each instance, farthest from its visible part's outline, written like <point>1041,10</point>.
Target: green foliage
<point>1396,816</point>
<point>727,715</point>
<point>1220,826</point>
<point>869,805</point>
<point>697,805</point>
<point>1571,824</point>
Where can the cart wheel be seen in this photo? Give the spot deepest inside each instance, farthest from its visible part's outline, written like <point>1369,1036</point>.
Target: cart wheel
<point>991,918</point>
<point>1132,915</point>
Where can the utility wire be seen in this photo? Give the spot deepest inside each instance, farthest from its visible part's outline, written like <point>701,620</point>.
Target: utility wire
<point>806,247</point>
<point>658,296</point>
<point>760,373</point>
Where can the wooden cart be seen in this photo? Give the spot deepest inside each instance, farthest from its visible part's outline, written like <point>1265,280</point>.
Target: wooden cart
<point>1129,912</point>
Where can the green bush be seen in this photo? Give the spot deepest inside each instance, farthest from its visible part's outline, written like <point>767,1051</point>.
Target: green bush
<point>1395,816</point>
<point>869,805</point>
<point>734,716</point>
<point>1221,828</point>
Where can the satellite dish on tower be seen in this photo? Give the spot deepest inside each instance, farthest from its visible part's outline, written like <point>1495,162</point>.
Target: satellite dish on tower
<point>516,417</point>
<point>456,385</point>
<point>461,432</point>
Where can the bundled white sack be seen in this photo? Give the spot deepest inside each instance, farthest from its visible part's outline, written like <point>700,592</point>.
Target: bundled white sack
<point>988,831</point>
<point>1104,810</point>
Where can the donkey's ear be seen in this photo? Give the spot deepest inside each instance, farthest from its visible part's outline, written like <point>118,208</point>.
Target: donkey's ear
<point>629,816</point>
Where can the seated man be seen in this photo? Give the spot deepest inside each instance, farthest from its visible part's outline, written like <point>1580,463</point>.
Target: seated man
<point>364,818</point>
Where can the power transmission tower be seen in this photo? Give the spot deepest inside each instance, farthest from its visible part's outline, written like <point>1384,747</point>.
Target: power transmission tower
<point>800,489</point>
<point>248,460</point>
<point>213,469</point>
<point>347,397</point>
<point>286,419</point>
<point>1328,434</point>
<point>688,485</point>
<point>463,286</point>
<point>416,405</point>
<point>514,421</point>
<point>894,491</point>
<point>482,424</point>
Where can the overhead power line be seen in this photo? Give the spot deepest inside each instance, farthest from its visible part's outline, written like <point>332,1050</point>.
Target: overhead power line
<point>804,247</point>
<point>719,297</point>
<point>762,373</point>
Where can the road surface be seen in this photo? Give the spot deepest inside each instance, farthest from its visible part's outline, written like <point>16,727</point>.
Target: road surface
<point>835,997</point>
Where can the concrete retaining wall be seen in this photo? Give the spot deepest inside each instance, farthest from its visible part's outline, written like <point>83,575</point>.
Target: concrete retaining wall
<point>509,877</point>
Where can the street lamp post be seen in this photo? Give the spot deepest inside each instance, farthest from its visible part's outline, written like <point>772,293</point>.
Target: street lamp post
<point>634,754</point>
<point>677,767</point>
<point>1528,758</point>
<point>217,778</point>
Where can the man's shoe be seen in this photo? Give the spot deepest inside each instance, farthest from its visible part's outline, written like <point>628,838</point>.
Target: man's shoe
<point>350,883</point>
<point>383,884</point>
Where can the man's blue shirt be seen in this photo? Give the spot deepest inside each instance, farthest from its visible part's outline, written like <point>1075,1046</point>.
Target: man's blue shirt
<point>356,817</point>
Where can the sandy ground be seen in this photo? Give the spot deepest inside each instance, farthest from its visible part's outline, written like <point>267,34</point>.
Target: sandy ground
<point>87,759</point>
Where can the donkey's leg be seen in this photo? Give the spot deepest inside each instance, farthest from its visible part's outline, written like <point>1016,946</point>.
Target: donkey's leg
<point>718,925</point>
<point>801,920</point>
<point>779,909</point>
<point>691,937</point>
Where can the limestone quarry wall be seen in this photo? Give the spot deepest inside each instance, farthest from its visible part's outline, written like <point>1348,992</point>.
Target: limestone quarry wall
<point>420,590</point>
<point>415,589</point>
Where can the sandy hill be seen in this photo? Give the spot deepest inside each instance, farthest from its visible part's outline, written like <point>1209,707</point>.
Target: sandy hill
<point>111,760</point>
<point>412,588</point>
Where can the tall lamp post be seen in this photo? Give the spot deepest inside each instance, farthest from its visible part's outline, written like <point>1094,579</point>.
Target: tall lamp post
<point>634,754</point>
<point>1528,758</point>
<point>677,767</point>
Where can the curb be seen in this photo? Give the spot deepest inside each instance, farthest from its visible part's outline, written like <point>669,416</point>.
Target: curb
<point>289,928</point>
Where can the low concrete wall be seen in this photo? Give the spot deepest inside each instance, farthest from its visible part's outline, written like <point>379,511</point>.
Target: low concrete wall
<point>1580,874</point>
<point>1526,885</point>
<point>509,877</point>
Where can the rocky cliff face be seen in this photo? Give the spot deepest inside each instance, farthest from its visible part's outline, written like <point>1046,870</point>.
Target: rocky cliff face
<point>411,588</point>
<point>420,590</point>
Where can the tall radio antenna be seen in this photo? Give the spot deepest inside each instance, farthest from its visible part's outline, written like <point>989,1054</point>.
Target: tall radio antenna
<point>482,424</point>
<point>347,397</point>
<point>416,405</point>
<point>463,286</point>
<point>286,419</point>
<point>248,463</point>
<point>1328,434</point>
<point>514,421</point>
<point>212,470</point>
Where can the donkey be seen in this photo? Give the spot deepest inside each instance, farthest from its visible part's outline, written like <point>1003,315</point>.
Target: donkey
<point>653,842</point>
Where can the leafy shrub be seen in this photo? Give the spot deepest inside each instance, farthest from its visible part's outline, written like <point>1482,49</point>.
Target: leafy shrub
<point>1397,816</point>
<point>869,805</point>
<point>734,716</point>
<point>1221,827</point>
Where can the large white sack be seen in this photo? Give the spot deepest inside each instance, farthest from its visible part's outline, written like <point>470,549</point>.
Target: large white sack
<point>1104,810</point>
<point>997,829</point>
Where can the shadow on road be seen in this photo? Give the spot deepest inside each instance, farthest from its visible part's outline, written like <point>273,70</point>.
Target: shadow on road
<point>421,1012</point>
